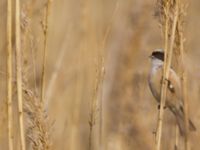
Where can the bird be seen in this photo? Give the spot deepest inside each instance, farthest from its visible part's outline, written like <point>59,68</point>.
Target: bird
<point>174,100</point>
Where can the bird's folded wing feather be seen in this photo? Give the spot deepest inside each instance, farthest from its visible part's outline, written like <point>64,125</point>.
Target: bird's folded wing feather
<point>174,88</point>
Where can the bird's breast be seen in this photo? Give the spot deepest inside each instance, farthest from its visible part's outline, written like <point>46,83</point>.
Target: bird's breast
<point>155,83</point>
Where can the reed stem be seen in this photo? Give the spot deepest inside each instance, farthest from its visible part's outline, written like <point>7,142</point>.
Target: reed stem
<point>45,31</point>
<point>167,64</point>
<point>185,94</point>
<point>9,75</point>
<point>19,73</point>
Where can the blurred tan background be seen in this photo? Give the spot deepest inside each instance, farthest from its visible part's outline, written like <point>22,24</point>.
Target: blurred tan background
<point>81,33</point>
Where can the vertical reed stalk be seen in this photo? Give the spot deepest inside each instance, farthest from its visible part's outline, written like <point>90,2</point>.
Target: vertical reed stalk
<point>19,73</point>
<point>9,74</point>
<point>164,84</point>
<point>184,91</point>
<point>183,73</point>
<point>185,98</point>
<point>177,137</point>
<point>94,108</point>
<point>167,64</point>
<point>45,31</point>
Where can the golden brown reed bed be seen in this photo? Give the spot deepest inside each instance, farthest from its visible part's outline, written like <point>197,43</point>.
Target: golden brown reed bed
<point>95,79</point>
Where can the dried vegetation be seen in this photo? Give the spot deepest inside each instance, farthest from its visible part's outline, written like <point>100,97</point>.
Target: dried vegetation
<point>73,74</point>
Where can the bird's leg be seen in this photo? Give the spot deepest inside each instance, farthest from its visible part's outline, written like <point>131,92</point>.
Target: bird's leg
<point>164,79</point>
<point>159,107</point>
<point>167,80</point>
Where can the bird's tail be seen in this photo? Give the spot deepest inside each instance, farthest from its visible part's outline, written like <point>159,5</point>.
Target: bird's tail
<point>181,122</point>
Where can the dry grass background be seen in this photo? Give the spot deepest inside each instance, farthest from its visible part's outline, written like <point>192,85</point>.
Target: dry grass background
<point>84,38</point>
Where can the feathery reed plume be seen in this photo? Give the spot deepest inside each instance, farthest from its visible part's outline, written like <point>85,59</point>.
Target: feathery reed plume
<point>19,74</point>
<point>93,107</point>
<point>86,27</point>
<point>38,128</point>
<point>37,121</point>
<point>97,66</point>
<point>28,39</point>
<point>9,75</point>
<point>97,101</point>
<point>169,13</point>
<point>28,44</point>
<point>45,31</point>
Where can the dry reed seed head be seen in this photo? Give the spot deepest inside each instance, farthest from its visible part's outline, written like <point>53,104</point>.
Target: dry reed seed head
<point>38,127</point>
<point>161,11</point>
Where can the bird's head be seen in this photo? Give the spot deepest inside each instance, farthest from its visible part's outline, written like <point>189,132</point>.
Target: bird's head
<point>157,57</point>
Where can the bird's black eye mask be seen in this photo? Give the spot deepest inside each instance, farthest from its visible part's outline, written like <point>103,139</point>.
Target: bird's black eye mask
<point>158,55</point>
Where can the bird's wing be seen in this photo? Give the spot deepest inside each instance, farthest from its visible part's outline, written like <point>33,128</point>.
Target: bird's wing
<point>173,88</point>
<point>174,84</point>
<point>174,95</point>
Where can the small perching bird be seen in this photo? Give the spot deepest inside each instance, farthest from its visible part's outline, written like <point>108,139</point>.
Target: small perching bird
<point>174,99</point>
